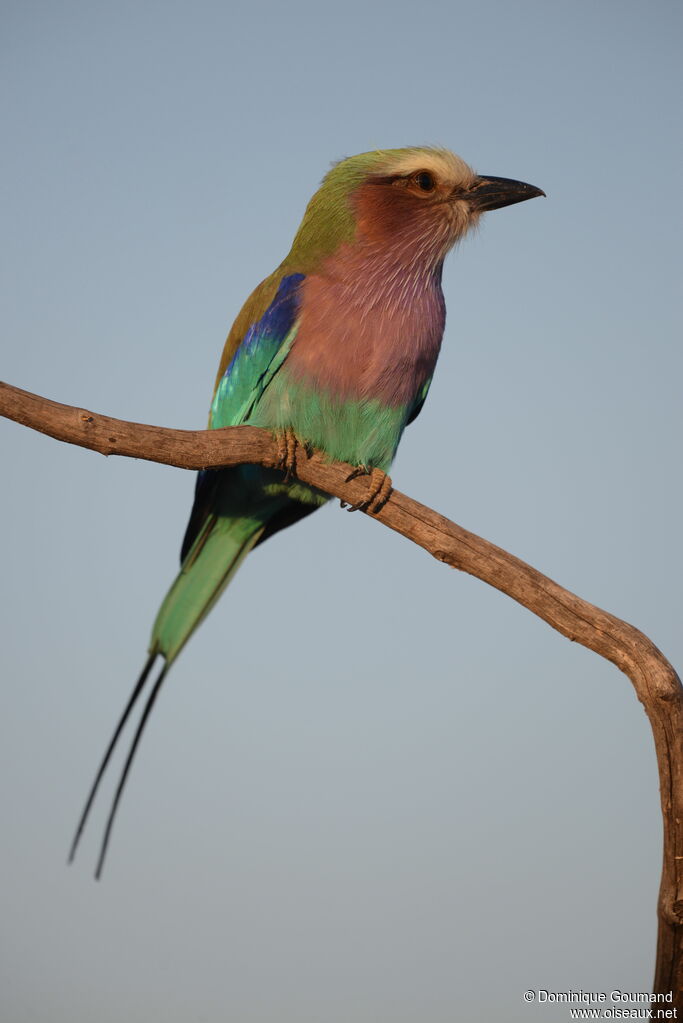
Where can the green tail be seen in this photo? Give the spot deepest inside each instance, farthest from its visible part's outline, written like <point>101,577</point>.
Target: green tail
<point>210,564</point>
<point>212,560</point>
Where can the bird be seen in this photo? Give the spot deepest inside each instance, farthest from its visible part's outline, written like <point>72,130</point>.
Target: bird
<point>335,350</point>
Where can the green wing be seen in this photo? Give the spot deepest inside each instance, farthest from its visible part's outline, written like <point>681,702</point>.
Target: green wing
<point>258,357</point>
<point>246,374</point>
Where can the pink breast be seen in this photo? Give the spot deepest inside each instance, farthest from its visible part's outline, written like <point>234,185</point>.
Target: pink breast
<point>376,337</point>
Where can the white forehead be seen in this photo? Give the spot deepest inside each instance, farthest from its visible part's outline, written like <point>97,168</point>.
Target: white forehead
<point>445,166</point>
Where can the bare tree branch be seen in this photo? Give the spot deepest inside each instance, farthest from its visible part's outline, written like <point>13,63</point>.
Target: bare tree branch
<point>656,683</point>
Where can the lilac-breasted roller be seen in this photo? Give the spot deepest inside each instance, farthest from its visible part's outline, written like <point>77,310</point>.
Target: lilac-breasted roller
<point>336,350</point>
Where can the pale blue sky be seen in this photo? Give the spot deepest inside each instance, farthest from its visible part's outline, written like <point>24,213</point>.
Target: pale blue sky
<point>374,790</point>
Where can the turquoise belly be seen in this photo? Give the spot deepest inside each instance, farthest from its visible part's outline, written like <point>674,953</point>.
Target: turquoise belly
<point>361,432</point>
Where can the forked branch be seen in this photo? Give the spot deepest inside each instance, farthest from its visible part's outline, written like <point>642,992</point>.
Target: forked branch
<point>656,683</point>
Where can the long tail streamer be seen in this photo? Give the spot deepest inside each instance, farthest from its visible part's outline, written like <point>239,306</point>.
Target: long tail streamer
<point>126,768</point>
<point>134,696</point>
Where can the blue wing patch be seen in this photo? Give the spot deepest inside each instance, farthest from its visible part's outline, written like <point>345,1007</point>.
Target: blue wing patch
<point>419,402</point>
<point>259,356</point>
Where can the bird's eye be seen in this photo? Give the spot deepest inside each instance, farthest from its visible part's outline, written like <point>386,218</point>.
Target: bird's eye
<point>425,181</point>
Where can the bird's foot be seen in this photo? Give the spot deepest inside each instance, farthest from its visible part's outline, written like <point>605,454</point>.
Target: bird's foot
<point>287,444</point>
<point>379,490</point>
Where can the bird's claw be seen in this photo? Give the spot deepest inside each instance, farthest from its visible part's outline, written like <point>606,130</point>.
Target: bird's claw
<point>379,490</point>
<point>287,444</point>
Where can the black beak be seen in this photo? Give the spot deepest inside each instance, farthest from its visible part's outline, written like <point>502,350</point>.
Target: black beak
<point>492,193</point>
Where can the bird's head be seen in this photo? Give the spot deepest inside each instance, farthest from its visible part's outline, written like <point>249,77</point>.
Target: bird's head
<point>410,204</point>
